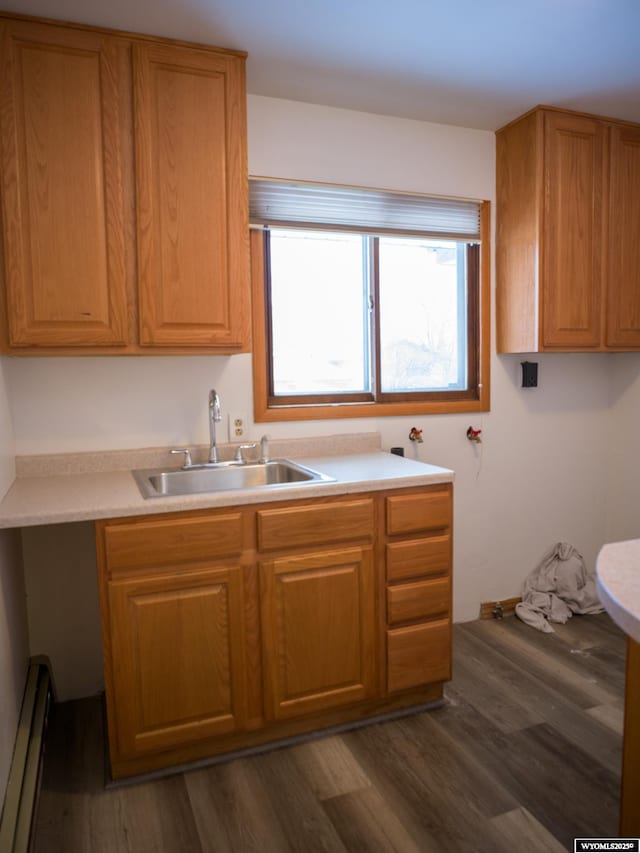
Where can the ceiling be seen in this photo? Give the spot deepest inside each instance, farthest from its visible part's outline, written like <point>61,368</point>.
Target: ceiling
<point>462,62</point>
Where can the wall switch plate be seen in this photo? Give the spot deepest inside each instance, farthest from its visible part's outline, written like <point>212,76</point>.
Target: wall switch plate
<point>237,427</point>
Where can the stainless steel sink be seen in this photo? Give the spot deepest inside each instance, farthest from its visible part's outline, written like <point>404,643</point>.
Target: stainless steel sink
<point>161,483</point>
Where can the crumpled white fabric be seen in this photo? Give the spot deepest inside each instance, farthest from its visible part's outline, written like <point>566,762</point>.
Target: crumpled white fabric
<point>557,588</point>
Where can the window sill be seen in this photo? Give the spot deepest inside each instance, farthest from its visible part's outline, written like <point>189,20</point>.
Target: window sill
<point>263,414</point>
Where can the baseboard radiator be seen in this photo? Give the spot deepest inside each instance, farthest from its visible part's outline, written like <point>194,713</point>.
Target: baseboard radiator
<point>24,776</point>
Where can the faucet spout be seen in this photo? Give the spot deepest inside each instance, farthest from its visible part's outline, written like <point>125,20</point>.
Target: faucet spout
<point>215,416</point>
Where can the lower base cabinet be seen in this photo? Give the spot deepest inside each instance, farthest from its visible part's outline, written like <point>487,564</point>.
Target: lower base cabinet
<point>179,647</point>
<point>225,629</point>
<point>319,631</point>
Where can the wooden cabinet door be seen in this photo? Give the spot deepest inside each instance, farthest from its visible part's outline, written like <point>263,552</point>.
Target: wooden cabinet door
<point>573,234</point>
<point>176,659</point>
<point>623,261</point>
<point>192,197</point>
<point>62,113</point>
<point>318,625</point>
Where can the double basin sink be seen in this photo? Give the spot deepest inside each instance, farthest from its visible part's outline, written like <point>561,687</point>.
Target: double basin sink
<point>223,476</point>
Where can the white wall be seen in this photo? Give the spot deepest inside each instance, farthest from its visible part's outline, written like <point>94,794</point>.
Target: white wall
<point>13,622</point>
<point>7,443</point>
<point>538,476</point>
<point>623,518</point>
<point>61,581</point>
<point>541,472</point>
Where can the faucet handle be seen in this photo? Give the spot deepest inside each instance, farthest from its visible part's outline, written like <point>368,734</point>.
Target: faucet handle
<point>240,448</point>
<point>187,456</point>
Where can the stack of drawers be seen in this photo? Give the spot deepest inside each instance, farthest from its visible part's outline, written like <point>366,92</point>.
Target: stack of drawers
<point>418,557</point>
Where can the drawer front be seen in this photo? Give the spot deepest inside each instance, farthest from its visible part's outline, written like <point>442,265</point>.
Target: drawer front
<point>419,654</point>
<point>418,558</point>
<point>418,513</point>
<point>147,544</point>
<point>422,600</point>
<point>315,524</point>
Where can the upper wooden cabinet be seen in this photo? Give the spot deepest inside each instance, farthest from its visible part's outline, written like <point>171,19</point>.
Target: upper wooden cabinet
<point>573,236</point>
<point>63,105</point>
<point>191,176</point>
<point>567,263</point>
<point>623,265</point>
<point>99,256</point>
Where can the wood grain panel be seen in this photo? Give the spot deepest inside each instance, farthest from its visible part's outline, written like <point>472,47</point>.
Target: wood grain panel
<point>366,821</point>
<point>154,543</point>
<point>418,558</point>
<point>419,654</point>
<point>177,660</point>
<point>193,238</point>
<point>429,510</point>
<point>446,779</point>
<point>522,831</point>
<point>573,235</point>
<point>518,180</point>
<point>409,602</point>
<point>630,790</point>
<point>623,245</point>
<point>417,764</point>
<point>329,768</point>
<point>484,652</point>
<point>315,524</point>
<point>319,624</point>
<point>64,196</point>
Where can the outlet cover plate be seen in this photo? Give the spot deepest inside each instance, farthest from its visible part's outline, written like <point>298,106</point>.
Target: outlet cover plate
<point>237,426</point>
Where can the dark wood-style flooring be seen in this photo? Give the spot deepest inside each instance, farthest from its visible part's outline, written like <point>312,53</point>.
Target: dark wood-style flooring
<point>524,755</point>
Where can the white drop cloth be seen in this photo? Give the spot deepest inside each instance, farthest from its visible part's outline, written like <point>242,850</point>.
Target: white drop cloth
<point>557,588</point>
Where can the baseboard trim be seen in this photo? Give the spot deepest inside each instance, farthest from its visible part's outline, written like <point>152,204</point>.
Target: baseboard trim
<point>23,785</point>
<point>498,607</point>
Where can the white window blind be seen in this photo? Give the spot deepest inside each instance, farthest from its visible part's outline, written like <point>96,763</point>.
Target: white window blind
<point>293,204</point>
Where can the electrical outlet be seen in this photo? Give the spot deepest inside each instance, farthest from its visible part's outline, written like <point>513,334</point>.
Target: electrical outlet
<point>237,427</point>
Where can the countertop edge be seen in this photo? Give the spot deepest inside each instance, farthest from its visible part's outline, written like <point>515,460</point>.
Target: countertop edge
<point>34,501</point>
<point>618,584</point>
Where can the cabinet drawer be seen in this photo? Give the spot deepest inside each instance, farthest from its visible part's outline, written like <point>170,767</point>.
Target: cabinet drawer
<point>419,654</point>
<point>145,544</point>
<point>417,513</point>
<point>418,558</point>
<point>422,600</point>
<point>315,524</point>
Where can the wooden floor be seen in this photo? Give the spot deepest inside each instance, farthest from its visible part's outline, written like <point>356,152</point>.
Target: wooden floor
<point>525,756</point>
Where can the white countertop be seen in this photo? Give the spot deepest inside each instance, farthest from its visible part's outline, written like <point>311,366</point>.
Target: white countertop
<point>618,584</point>
<point>57,498</point>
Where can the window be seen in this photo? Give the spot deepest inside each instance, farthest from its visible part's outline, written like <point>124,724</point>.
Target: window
<point>366,303</point>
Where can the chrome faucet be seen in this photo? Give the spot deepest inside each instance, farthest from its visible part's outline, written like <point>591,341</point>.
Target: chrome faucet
<point>215,416</point>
